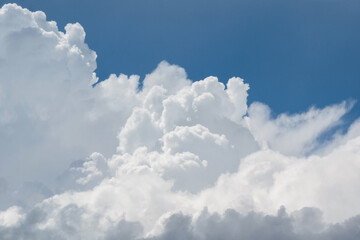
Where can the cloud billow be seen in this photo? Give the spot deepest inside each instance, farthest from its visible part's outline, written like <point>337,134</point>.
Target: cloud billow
<point>175,159</point>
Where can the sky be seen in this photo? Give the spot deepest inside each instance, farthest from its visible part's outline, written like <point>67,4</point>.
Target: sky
<point>179,120</point>
<point>294,54</point>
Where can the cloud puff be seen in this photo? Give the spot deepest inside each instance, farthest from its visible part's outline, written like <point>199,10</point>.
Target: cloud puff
<point>43,71</point>
<point>50,115</point>
<point>121,160</point>
<point>269,179</point>
<point>294,134</point>
<point>303,224</point>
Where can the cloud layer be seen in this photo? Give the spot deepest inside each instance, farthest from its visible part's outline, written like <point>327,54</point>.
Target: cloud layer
<point>172,159</point>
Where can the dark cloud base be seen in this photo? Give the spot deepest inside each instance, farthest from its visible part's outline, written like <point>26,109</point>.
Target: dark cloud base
<point>305,224</point>
<point>257,226</point>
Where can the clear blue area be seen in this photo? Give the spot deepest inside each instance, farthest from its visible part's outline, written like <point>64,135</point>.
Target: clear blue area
<point>294,53</point>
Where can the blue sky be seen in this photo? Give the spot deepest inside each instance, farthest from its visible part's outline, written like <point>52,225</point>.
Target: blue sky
<point>294,54</point>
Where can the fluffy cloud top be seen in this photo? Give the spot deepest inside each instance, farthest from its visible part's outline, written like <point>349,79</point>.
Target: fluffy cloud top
<point>172,159</point>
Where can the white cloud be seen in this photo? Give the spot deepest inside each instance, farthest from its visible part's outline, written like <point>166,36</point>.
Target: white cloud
<point>42,72</point>
<point>170,77</point>
<point>10,217</point>
<point>173,146</point>
<point>269,179</point>
<point>293,134</point>
<point>49,113</point>
<point>303,224</point>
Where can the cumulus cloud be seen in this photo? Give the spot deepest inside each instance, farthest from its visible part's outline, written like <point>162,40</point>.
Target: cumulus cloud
<point>50,115</point>
<point>42,72</point>
<point>302,224</point>
<point>294,134</point>
<point>269,179</point>
<point>128,160</point>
